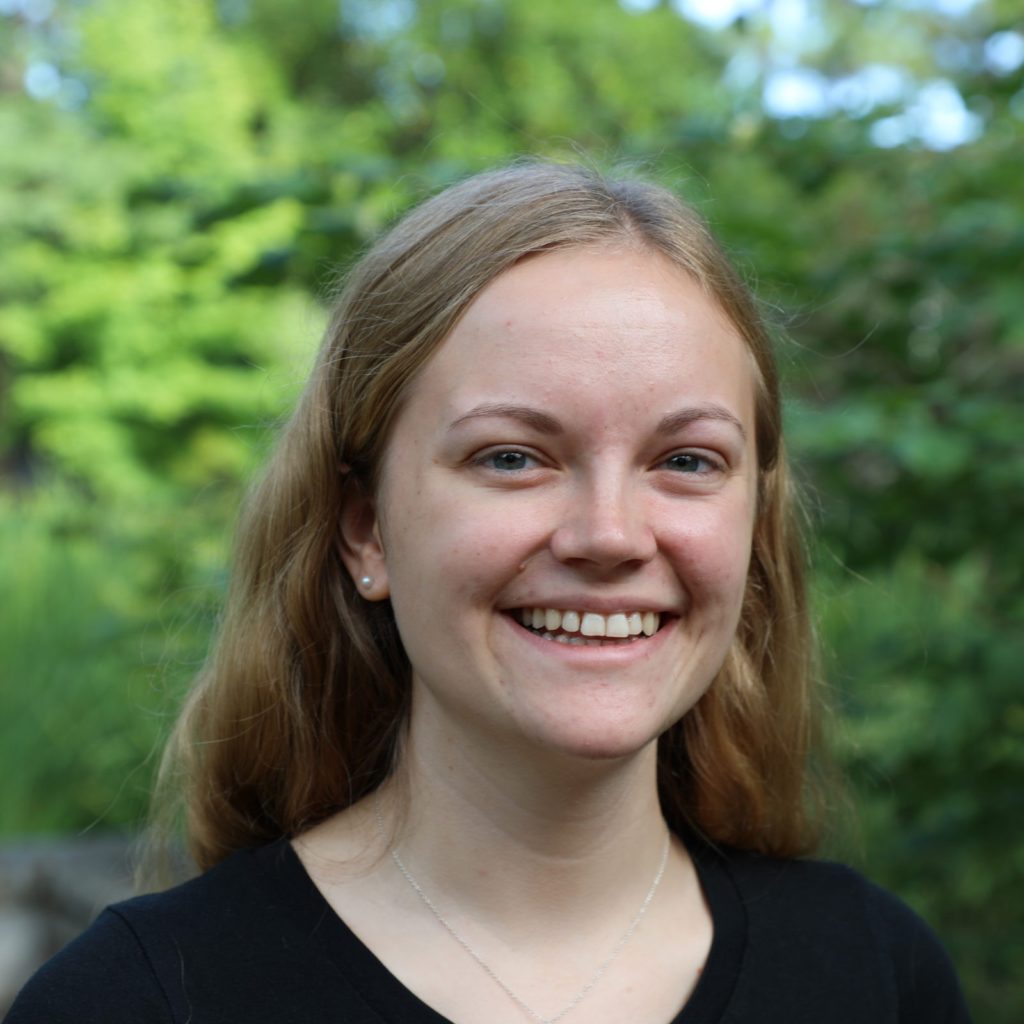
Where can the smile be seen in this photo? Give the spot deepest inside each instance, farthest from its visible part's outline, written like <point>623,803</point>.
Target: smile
<point>591,629</point>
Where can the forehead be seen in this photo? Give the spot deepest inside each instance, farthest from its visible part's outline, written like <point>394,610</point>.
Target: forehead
<point>590,333</point>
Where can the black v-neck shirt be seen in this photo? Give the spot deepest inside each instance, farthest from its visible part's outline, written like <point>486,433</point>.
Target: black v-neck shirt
<point>253,941</point>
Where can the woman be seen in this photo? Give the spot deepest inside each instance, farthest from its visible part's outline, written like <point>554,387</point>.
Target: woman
<point>511,708</point>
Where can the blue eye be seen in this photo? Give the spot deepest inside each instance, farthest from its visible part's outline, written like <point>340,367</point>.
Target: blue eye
<point>508,461</point>
<point>687,462</point>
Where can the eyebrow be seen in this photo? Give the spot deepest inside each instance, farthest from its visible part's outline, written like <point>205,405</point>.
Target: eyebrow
<point>684,417</point>
<point>540,421</point>
<point>546,424</point>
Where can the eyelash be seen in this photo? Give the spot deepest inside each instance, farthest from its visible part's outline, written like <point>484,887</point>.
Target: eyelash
<point>488,460</point>
<point>712,465</point>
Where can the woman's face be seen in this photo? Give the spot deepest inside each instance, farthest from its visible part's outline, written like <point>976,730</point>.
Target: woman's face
<point>582,443</point>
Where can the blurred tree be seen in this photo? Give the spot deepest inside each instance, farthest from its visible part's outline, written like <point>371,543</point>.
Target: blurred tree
<point>138,323</point>
<point>180,180</point>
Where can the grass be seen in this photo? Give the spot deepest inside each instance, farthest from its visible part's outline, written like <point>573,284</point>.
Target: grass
<point>92,665</point>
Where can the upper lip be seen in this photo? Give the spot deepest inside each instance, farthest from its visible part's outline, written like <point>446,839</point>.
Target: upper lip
<point>601,605</point>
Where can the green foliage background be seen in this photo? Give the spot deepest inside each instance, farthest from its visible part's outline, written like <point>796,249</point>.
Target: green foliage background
<point>180,190</point>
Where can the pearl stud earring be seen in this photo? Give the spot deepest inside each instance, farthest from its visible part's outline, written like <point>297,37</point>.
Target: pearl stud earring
<point>366,582</point>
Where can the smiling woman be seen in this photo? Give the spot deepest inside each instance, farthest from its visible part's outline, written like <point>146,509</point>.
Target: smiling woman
<point>582,442</point>
<point>511,709</point>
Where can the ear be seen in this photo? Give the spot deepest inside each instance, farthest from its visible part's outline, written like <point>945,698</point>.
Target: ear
<point>361,547</point>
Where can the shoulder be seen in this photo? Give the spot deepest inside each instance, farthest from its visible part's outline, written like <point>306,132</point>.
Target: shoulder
<point>78,984</point>
<point>824,896</point>
<point>135,962</point>
<point>833,934</point>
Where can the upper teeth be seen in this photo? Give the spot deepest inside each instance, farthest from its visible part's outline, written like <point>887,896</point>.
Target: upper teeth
<point>619,624</point>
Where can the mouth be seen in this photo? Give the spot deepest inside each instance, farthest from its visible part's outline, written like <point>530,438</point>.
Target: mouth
<point>580,628</point>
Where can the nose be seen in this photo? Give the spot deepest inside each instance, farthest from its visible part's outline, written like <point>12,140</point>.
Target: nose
<point>604,526</point>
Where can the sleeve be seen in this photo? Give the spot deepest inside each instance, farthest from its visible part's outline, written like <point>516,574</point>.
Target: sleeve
<point>926,982</point>
<point>103,977</point>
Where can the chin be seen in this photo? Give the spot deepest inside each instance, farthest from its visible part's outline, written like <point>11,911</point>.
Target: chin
<point>597,741</point>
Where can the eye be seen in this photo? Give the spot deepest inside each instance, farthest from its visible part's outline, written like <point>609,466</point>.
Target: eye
<point>689,463</point>
<point>507,460</point>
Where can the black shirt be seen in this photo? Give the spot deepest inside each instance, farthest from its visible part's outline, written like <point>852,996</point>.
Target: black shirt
<point>253,941</point>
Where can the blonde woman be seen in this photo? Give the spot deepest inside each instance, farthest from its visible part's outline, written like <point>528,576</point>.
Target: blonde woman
<point>510,711</point>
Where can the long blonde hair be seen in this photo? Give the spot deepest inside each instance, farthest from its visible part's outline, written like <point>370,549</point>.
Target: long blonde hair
<point>300,710</point>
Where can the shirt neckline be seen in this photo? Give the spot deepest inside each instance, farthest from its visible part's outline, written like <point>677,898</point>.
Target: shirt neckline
<point>394,1003</point>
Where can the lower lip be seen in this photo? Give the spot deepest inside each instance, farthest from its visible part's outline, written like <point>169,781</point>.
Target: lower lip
<point>605,654</point>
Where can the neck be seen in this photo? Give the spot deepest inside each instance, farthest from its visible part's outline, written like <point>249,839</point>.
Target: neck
<point>511,836</point>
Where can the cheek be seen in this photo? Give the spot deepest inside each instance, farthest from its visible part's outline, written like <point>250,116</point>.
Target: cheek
<point>445,548</point>
<point>711,548</point>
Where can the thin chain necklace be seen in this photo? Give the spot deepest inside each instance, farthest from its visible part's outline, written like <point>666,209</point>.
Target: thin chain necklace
<point>492,974</point>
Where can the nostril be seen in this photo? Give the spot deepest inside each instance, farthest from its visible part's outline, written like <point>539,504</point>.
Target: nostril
<point>605,523</point>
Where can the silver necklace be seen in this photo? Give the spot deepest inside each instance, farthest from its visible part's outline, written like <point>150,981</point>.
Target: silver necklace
<point>492,974</point>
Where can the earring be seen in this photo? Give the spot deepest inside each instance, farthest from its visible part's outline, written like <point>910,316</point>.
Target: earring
<point>366,582</point>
